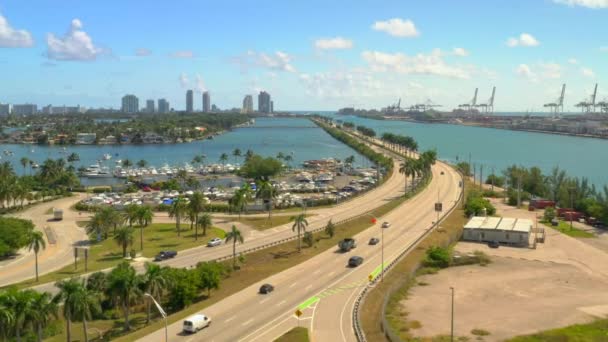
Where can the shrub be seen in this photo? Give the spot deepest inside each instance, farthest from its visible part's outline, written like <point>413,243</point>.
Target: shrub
<point>475,204</point>
<point>14,234</point>
<point>437,257</point>
<point>102,189</point>
<point>309,239</point>
<point>549,214</point>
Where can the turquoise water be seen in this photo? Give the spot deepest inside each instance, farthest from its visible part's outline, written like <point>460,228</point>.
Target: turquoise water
<point>494,148</point>
<point>269,136</point>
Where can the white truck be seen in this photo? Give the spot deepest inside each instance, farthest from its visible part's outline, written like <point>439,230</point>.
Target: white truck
<point>195,323</point>
<point>57,214</point>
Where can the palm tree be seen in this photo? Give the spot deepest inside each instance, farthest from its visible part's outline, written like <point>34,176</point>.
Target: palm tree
<point>142,163</point>
<point>111,218</point>
<point>36,242</point>
<point>177,210</point>
<point>24,162</point>
<point>68,292</point>
<point>86,302</point>
<point>144,219</point>
<point>22,302</point>
<point>124,238</point>
<point>204,221</point>
<point>349,161</point>
<point>155,282</point>
<point>236,153</point>
<point>7,315</point>
<point>131,214</point>
<point>288,159</point>
<point>299,226</point>
<point>330,229</point>
<point>44,308</point>
<point>280,156</point>
<point>248,154</point>
<point>267,192</point>
<point>223,158</point>
<point>126,163</point>
<point>237,202</point>
<point>73,157</point>
<point>124,288</point>
<point>235,236</point>
<point>196,205</point>
<point>197,160</point>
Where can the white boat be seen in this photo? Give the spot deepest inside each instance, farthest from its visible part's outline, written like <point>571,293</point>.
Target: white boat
<point>106,156</point>
<point>119,162</point>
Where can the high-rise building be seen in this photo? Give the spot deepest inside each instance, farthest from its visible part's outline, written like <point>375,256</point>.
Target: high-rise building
<point>189,101</point>
<point>130,104</point>
<point>25,109</point>
<point>272,106</point>
<point>150,106</point>
<point>163,106</point>
<point>6,109</point>
<point>247,105</point>
<point>264,102</point>
<point>206,102</point>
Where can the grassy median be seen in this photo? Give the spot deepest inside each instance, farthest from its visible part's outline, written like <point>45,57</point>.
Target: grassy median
<point>297,334</point>
<point>262,222</point>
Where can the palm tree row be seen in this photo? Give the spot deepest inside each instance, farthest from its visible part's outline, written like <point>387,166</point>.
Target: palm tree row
<point>417,167</point>
<point>400,143</point>
<point>23,311</point>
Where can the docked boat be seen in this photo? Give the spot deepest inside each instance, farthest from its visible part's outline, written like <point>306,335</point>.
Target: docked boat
<point>106,156</point>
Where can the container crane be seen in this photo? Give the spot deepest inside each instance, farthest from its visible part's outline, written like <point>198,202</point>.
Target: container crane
<point>472,104</point>
<point>557,107</point>
<point>588,106</point>
<point>488,108</point>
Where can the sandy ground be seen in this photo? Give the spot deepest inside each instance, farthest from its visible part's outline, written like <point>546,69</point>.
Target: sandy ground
<point>525,290</point>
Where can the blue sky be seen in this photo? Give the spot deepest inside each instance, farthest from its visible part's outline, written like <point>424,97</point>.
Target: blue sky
<point>310,55</point>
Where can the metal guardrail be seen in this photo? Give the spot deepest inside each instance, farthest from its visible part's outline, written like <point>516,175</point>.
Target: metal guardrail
<point>359,334</point>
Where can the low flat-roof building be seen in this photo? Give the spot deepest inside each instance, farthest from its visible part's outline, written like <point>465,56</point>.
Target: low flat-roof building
<point>504,230</point>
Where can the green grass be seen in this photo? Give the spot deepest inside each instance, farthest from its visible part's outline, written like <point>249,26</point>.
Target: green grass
<point>594,331</point>
<point>157,237</point>
<point>297,334</point>
<point>262,222</point>
<point>564,228</point>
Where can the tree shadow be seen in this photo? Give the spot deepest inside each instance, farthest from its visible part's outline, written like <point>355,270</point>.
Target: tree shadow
<point>283,254</point>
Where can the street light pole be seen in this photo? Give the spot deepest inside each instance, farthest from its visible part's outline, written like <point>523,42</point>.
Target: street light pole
<point>382,274</point>
<point>452,323</point>
<point>162,313</point>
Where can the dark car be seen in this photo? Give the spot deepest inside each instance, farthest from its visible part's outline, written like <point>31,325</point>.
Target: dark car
<point>442,172</point>
<point>355,261</point>
<point>266,288</point>
<point>164,255</point>
<point>493,244</point>
<point>374,241</point>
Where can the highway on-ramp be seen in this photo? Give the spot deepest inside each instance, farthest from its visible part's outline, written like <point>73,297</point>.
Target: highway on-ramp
<point>322,288</point>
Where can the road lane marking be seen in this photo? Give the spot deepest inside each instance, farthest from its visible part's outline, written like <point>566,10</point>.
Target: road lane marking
<point>282,302</point>
<point>230,319</point>
<point>292,285</point>
<point>264,300</point>
<point>248,322</point>
<point>308,302</point>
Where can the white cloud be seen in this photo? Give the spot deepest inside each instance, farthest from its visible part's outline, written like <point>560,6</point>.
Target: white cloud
<point>200,84</point>
<point>421,64</point>
<point>349,84</point>
<point>573,61</point>
<point>333,43</point>
<point>460,52</point>
<point>397,27</point>
<point>142,52</point>
<point>551,70</point>
<point>524,71</point>
<point>279,61</point>
<point>524,39</point>
<point>10,37</point>
<point>75,45</point>
<point>584,3</point>
<point>182,54</point>
<point>587,72</point>
<point>184,82</point>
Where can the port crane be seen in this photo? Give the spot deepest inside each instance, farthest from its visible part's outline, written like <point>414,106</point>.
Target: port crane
<point>394,108</point>
<point>423,107</point>
<point>488,108</point>
<point>472,104</point>
<point>588,106</point>
<point>557,107</point>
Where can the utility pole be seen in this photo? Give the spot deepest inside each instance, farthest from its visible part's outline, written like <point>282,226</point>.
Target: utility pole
<point>493,176</point>
<point>481,177</point>
<point>571,206</point>
<point>518,189</point>
<point>474,174</point>
<point>452,320</point>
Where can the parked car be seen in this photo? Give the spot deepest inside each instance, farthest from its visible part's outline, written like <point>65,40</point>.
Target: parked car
<point>493,244</point>
<point>355,261</point>
<point>195,323</point>
<point>214,242</point>
<point>374,241</point>
<point>347,244</point>
<point>385,224</point>
<point>164,255</point>
<point>266,288</point>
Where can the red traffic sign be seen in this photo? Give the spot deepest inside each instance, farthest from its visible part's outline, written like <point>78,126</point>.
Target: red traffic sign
<point>374,220</point>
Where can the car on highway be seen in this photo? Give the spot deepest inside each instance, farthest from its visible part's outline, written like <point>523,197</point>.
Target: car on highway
<point>355,261</point>
<point>493,244</point>
<point>347,244</point>
<point>164,255</point>
<point>195,323</point>
<point>374,241</point>
<point>214,242</point>
<point>266,288</point>
<point>385,224</point>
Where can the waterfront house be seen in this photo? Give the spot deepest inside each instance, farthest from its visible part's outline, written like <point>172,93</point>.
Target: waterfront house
<point>109,140</point>
<point>86,138</point>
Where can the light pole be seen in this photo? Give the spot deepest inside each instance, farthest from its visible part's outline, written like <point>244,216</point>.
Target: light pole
<point>382,238</point>
<point>452,323</point>
<point>162,313</point>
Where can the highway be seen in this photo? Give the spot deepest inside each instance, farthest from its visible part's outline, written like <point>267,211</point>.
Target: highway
<point>391,188</point>
<point>323,288</point>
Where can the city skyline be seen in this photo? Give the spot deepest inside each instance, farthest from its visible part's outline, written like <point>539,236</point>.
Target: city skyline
<point>69,55</point>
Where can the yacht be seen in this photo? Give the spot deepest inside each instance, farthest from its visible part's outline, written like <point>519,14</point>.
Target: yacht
<point>106,156</point>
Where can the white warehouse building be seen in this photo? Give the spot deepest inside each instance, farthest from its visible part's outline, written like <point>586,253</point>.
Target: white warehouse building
<point>504,230</point>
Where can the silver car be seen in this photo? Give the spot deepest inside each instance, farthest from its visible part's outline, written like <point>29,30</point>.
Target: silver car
<point>214,242</point>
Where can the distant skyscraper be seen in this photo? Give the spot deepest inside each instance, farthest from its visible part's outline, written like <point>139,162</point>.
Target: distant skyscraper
<point>150,106</point>
<point>272,106</point>
<point>206,102</point>
<point>130,104</point>
<point>264,102</point>
<point>5,109</point>
<point>189,101</point>
<point>247,104</point>
<point>163,106</point>
<point>25,109</point>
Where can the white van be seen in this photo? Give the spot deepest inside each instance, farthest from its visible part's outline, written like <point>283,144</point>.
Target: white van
<point>195,323</point>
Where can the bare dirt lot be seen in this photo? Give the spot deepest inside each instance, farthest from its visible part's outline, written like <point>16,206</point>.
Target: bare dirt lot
<point>508,298</point>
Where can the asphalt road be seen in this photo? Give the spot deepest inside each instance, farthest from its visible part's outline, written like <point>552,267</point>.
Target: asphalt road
<point>323,288</point>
